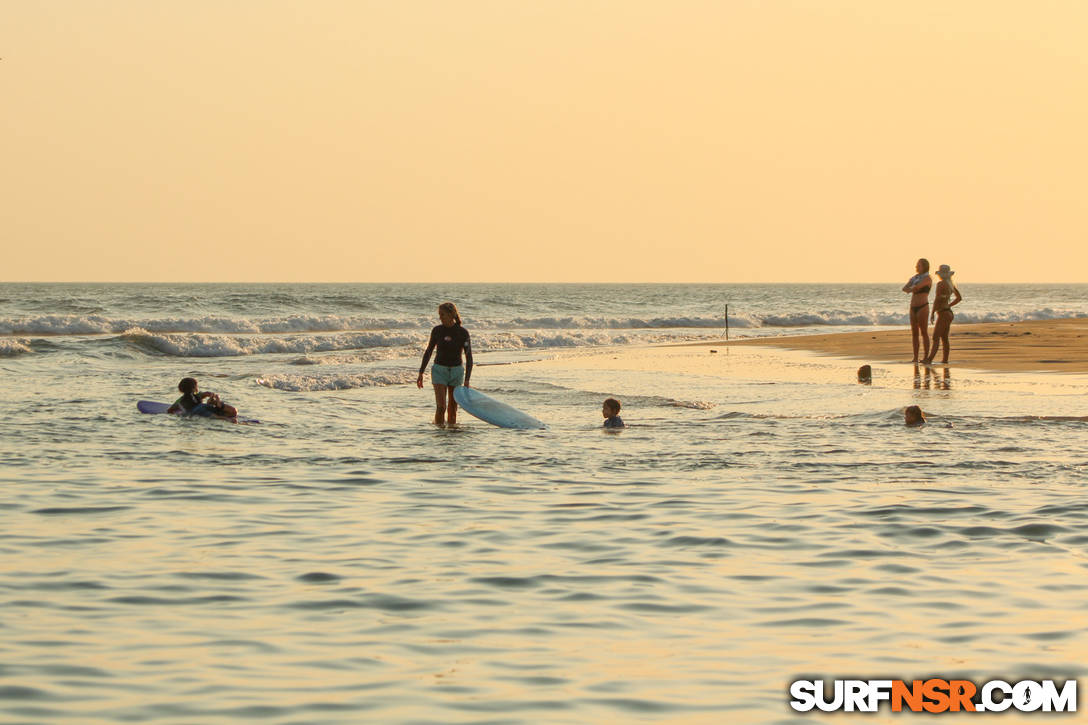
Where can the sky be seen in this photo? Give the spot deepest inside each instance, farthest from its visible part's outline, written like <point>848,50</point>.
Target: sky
<point>543,141</point>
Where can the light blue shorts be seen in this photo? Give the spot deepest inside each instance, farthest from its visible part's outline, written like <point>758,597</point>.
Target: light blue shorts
<point>445,375</point>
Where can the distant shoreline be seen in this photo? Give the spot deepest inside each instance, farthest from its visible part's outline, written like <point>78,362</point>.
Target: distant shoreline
<point>1026,346</point>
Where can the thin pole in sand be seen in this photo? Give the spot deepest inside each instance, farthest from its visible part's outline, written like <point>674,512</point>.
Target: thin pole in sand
<point>727,322</point>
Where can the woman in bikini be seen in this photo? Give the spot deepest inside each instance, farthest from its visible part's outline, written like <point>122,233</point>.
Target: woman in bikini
<point>918,289</point>
<point>942,310</point>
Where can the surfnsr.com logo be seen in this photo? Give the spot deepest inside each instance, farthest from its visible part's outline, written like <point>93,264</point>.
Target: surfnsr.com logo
<point>933,696</point>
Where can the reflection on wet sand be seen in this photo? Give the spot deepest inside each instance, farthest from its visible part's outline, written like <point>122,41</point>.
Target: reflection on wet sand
<point>922,380</point>
<point>926,377</point>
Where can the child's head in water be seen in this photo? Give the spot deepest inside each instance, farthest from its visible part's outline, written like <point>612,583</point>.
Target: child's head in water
<point>611,412</point>
<point>913,416</point>
<point>187,385</point>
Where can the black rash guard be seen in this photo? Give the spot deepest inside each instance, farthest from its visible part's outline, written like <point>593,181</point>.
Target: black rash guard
<point>449,341</point>
<point>188,401</point>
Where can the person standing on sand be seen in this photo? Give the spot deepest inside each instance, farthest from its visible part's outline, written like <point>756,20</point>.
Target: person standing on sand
<point>942,310</point>
<point>918,289</point>
<point>448,372</point>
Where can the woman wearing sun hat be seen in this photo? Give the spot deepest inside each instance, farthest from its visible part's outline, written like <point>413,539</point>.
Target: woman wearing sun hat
<point>942,310</point>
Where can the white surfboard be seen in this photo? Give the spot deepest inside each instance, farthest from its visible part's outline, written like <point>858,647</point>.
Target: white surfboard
<point>493,411</point>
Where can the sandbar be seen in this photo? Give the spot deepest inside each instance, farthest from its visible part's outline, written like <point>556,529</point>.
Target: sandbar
<point>1026,346</point>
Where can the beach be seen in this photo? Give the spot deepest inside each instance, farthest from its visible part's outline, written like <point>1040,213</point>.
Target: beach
<point>1025,345</point>
<point>763,517</point>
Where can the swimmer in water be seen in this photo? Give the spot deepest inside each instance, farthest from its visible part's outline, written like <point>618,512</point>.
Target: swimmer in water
<point>611,412</point>
<point>913,416</point>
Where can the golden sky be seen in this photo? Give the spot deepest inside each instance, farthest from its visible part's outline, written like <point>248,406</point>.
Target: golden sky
<point>549,140</point>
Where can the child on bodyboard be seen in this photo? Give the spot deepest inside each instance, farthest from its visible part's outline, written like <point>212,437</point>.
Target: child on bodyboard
<point>204,405</point>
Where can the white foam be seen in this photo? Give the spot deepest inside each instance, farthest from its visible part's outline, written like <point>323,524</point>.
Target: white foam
<point>607,323</point>
<point>310,383</point>
<point>362,356</point>
<point>533,326</point>
<point>56,325</point>
<point>210,324</point>
<point>694,404</point>
<point>374,345</point>
<point>13,346</point>
<point>201,345</point>
<point>874,319</point>
<point>837,319</point>
<point>1045,313</point>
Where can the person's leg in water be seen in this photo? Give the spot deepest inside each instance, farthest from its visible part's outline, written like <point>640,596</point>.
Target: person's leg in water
<point>440,402</point>
<point>451,406</point>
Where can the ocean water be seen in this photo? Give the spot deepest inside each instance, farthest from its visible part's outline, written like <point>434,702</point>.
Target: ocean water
<point>763,518</point>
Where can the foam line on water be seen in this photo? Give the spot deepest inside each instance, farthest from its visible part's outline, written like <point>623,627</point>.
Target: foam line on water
<point>96,324</point>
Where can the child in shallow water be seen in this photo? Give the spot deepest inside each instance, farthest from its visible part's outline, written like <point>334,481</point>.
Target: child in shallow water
<point>611,412</point>
<point>206,405</point>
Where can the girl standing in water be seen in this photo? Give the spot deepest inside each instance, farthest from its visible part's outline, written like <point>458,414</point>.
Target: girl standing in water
<point>918,289</point>
<point>448,372</point>
<point>942,310</point>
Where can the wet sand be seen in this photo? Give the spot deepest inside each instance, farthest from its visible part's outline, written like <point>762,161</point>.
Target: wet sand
<point>1036,345</point>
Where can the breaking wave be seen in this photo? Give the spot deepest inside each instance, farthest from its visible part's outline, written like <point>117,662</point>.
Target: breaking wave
<point>369,347</point>
<point>200,345</point>
<point>99,325</point>
<point>214,324</point>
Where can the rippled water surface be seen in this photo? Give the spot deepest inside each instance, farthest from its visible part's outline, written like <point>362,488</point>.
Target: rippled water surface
<point>763,518</point>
